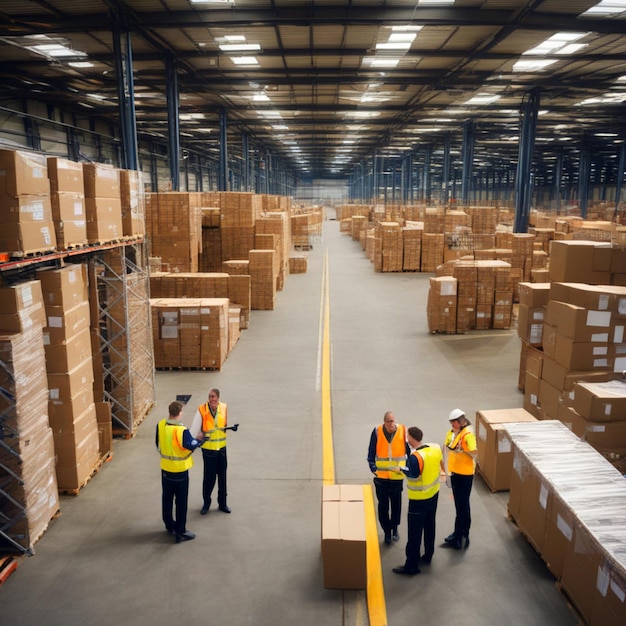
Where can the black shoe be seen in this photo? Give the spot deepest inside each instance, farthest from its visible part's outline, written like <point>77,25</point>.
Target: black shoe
<point>456,544</point>
<point>186,536</point>
<point>426,559</point>
<point>404,571</point>
<point>387,538</point>
<point>450,538</point>
<point>394,535</point>
<point>225,509</point>
<point>204,510</point>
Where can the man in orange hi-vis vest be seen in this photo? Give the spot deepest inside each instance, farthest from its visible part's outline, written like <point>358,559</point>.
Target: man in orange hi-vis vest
<point>212,419</point>
<point>387,452</point>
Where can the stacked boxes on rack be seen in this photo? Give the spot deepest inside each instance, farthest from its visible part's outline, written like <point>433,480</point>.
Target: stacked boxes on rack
<point>103,202</point>
<point>190,332</point>
<point>28,488</point>
<point>68,202</point>
<point>67,342</point>
<point>556,484</point>
<point>133,205</point>
<point>26,223</point>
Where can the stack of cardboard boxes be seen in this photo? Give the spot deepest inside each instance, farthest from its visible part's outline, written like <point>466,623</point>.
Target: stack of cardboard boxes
<point>556,484</point>
<point>388,250</point>
<point>432,250</point>
<point>28,488</point>
<point>68,202</point>
<point>412,247</point>
<point>67,342</point>
<point>263,274</point>
<point>133,205</point>
<point>190,332</point>
<point>26,223</point>
<point>102,202</point>
<point>238,216</point>
<point>441,308</point>
<point>279,225</point>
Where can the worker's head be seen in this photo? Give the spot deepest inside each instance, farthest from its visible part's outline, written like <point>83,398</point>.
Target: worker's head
<point>175,410</point>
<point>389,422</point>
<point>415,436</point>
<point>457,420</point>
<point>214,398</point>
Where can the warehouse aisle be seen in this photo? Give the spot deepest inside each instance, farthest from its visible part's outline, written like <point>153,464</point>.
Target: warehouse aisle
<point>108,561</point>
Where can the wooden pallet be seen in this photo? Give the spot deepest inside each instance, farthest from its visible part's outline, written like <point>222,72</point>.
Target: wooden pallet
<point>30,254</point>
<point>125,433</point>
<point>8,564</point>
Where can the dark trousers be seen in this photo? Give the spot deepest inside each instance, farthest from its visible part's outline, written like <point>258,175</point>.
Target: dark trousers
<point>421,521</point>
<point>461,489</point>
<point>175,489</point>
<point>389,496</point>
<point>215,464</point>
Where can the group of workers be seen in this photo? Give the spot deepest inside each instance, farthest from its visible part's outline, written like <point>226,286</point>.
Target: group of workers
<point>176,443</point>
<point>396,453</point>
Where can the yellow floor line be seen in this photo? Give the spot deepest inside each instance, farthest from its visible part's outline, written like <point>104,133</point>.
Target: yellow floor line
<point>376,606</point>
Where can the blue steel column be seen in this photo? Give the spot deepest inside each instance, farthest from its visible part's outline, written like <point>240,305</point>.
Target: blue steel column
<point>173,124</point>
<point>222,183</point>
<point>126,97</point>
<point>619,178</point>
<point>246,162</point>
<point>445,176</point>
<point>558,178</point>
<point>584,172</point>
<point>523,185</point>
<point>428,152</point>
<point>468,160</point>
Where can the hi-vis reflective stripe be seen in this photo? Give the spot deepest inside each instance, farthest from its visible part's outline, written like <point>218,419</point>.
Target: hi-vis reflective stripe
<point>382,459</point>
<point>176,458</point>
<point>414,487</point>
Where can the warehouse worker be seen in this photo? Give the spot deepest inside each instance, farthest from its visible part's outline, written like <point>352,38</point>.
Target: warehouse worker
<point>387,452</point>
<point>460,451</point>
<point>175,444</point>
<point>211,419</point>
<point>423,471</point>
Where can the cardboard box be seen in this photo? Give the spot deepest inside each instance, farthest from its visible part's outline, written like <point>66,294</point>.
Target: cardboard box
<point>21,307</point>
<point>67,356</point>
<point>549,400</point>
<point>495,455</point>
<point>101,181</point>
<point>579,323</point>
<point>65,287</point>
<point>23,172</point>
<point>578,355</point>
<point>27,237</point>
<point>534,502</point>
<point>534,295</point>
<point>343,545</point>
<point>65,176</point>
<point>104,219</point>
<point>67,384</point>
<point>609,603</point>
<point>600,401</point>
<point>105,428</point>
<point>63,324</point>
<point>26,209</point>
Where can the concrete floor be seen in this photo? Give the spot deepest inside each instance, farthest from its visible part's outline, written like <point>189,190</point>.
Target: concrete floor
<point>108,561</point>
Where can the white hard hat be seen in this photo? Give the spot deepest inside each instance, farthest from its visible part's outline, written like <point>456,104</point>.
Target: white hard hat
<point>455,414</point>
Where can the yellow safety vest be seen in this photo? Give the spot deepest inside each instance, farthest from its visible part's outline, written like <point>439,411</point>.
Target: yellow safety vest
<point>214,428</point>
<point>390,453</point>
<point>426,485</point>
<point>459,462</point>
<point>174,457</point>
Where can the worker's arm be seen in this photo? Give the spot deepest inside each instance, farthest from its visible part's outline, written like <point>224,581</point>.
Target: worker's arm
<point>412,469</point>
<point>371,452</point>
<point>189,441</point>
<point>196,425</point>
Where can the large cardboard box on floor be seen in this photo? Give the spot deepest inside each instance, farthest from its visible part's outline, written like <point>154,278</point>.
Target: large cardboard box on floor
<point>495,454</point>
<point>344,547</point>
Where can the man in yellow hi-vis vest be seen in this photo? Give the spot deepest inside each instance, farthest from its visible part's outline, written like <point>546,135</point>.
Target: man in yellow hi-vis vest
<point>211,419</point>
<point>387,451</point>
<point>423,471</point>
<point>175,444</point>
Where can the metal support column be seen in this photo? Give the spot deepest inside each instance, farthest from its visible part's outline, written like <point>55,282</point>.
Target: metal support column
<point>523,186</point>
<point>445,174</point>
<point>222,184</point>
<point>468,160</point>
<point>584,175</point>
<point>246,162</point>
<point>428,151</point>
<point>558,179</point>
<point>619,177</point>
<point>126,97</point>
<point>173,125</point>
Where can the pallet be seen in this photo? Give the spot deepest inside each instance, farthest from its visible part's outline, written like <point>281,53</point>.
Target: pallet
<point>8,564</point>
<point>179,368</point>
<point>74,492</point>
<point>30,254</point>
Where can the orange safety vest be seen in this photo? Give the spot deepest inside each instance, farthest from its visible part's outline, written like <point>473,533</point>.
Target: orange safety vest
<point>390,453</point>
<point>459,461</point>
<point>174,457</point>
<point>214,428</point>
<point>426,485</point>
